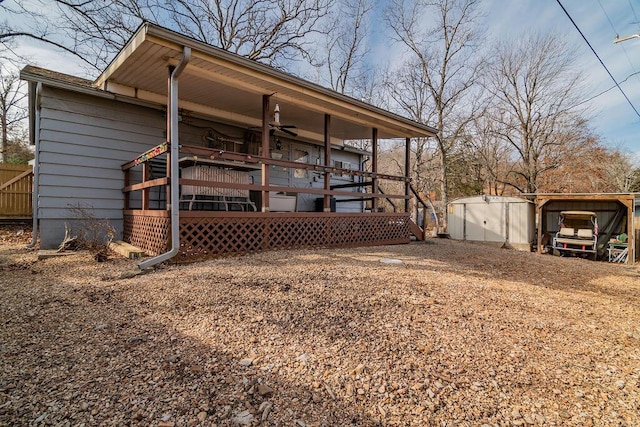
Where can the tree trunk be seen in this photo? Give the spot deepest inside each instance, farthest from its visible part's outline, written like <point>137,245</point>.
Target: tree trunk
<point>4,142</point>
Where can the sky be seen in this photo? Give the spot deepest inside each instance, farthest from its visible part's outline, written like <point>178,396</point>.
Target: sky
<point>613,118</point>
<point>600,21</point>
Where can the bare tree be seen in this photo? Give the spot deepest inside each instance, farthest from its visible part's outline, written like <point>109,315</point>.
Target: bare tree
<point>87,29</point>
<point>436,82</point>
<point>634,180</point>
<point>270,31</point>
<point>588,166</point>
<point>343,64</point>
<point>346,47</point>
<point>619,172</point>
<point>536,97</point>
<point>492,155</point>
<point>12,108</point>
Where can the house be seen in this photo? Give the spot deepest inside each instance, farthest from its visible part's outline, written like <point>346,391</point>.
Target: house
<point>192,151</point>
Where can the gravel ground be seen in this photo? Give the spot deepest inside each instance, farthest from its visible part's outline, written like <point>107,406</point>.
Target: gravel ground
<point>458,334</point>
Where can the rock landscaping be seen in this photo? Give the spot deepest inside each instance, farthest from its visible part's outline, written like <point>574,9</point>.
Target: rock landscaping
<point>448,334</point>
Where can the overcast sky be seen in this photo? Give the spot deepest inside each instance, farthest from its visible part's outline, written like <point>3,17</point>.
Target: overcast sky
<point>600,21</point>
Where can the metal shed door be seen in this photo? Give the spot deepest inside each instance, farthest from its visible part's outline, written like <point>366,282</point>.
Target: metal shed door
<point>474,222</point>
<point>485,222</point>
<point>494,222</point>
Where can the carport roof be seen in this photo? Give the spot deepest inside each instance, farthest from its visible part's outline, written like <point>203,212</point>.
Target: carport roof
<point>229,87</point>
<point>626,199</point>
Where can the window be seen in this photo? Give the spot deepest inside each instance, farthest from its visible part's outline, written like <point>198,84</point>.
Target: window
<point>300,156</point>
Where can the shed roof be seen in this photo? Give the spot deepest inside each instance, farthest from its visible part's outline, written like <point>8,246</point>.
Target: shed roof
<point>489,199</point>
<point>230,87</point>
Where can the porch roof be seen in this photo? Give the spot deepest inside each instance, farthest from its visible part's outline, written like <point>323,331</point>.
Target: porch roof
<point>229,87</point>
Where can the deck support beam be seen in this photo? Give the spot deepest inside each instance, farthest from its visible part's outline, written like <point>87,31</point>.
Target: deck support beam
<point>407,173</point>
<point>374,168</point>
<point>327,161</point>
<point>265,151</point>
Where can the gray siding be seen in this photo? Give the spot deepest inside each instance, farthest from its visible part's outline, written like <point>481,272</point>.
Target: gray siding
<point>83,142</point>
<point>353,159</point>
<point>286,177</point>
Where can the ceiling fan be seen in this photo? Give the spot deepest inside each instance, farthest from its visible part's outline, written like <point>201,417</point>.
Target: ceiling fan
<point>275,125</point>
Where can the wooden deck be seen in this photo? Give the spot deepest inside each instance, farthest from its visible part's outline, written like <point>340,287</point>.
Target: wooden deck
<point>210,234</point>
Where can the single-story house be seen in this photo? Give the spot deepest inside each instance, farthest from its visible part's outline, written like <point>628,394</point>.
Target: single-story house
<point>192,151</point>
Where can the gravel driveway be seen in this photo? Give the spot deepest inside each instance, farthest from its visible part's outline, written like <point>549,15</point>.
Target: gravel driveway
<point>457,334</point>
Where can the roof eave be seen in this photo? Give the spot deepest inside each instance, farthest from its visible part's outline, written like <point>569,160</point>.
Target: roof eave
<point>160,35</point>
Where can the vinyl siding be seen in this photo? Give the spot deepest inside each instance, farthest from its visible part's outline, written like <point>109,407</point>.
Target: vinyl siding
<point>83,142</point>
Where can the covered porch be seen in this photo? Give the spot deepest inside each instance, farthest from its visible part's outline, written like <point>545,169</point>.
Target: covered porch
<point>238,221</point>
<point>270,145</point>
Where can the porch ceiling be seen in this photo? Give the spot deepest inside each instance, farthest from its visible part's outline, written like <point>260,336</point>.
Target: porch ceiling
<point>229,87</point>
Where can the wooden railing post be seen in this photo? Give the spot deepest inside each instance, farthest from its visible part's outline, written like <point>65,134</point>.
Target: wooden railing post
<point>146,169</point>
<point>374,168</point>
<point>265,152</point>
<point>407,173</point>
<point>327,161</point>
<point>127,194</point>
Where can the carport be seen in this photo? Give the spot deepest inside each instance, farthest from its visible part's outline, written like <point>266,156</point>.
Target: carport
<point>615,213</point>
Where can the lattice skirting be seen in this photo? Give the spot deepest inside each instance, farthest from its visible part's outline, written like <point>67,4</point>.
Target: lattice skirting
<point>212,236</point>
<point>148,232</point>
<point>203,237</point>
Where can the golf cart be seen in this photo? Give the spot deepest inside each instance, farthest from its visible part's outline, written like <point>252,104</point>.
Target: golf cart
<point>578,234</point>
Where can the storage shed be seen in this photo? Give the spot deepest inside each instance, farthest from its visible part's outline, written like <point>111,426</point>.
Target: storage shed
<point>493,219</point>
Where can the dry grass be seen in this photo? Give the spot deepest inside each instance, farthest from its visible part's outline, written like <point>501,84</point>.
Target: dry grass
<point>458,334</point>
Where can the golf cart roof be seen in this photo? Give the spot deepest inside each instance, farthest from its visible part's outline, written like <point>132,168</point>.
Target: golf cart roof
<point>578,214</point>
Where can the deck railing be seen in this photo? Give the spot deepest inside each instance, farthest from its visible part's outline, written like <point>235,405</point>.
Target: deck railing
<point>241,161</point>
<point>215,232</point>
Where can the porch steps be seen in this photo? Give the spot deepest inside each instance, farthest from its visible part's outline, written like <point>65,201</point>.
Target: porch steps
<point>416,230</point>
<point>127,250</point>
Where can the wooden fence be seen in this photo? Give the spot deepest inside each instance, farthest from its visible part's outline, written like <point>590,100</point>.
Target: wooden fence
<point>16,184</point>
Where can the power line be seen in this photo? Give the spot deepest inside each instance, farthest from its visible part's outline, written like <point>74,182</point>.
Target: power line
<point>608,19</point>
<point>597,56</point>
<point>634,13</point>
<point>607,90</point>
<point>617,35</point>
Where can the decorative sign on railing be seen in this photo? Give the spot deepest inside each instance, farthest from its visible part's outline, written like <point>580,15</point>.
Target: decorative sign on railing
<point>150,154</point>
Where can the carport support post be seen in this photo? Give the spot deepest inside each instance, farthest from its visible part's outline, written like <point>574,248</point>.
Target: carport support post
<point>374,169</point>
<point>631,234</point>
<point>632,254</point>
<point>327,162</point>
<point>539,208</point>
<point>265,152</point>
